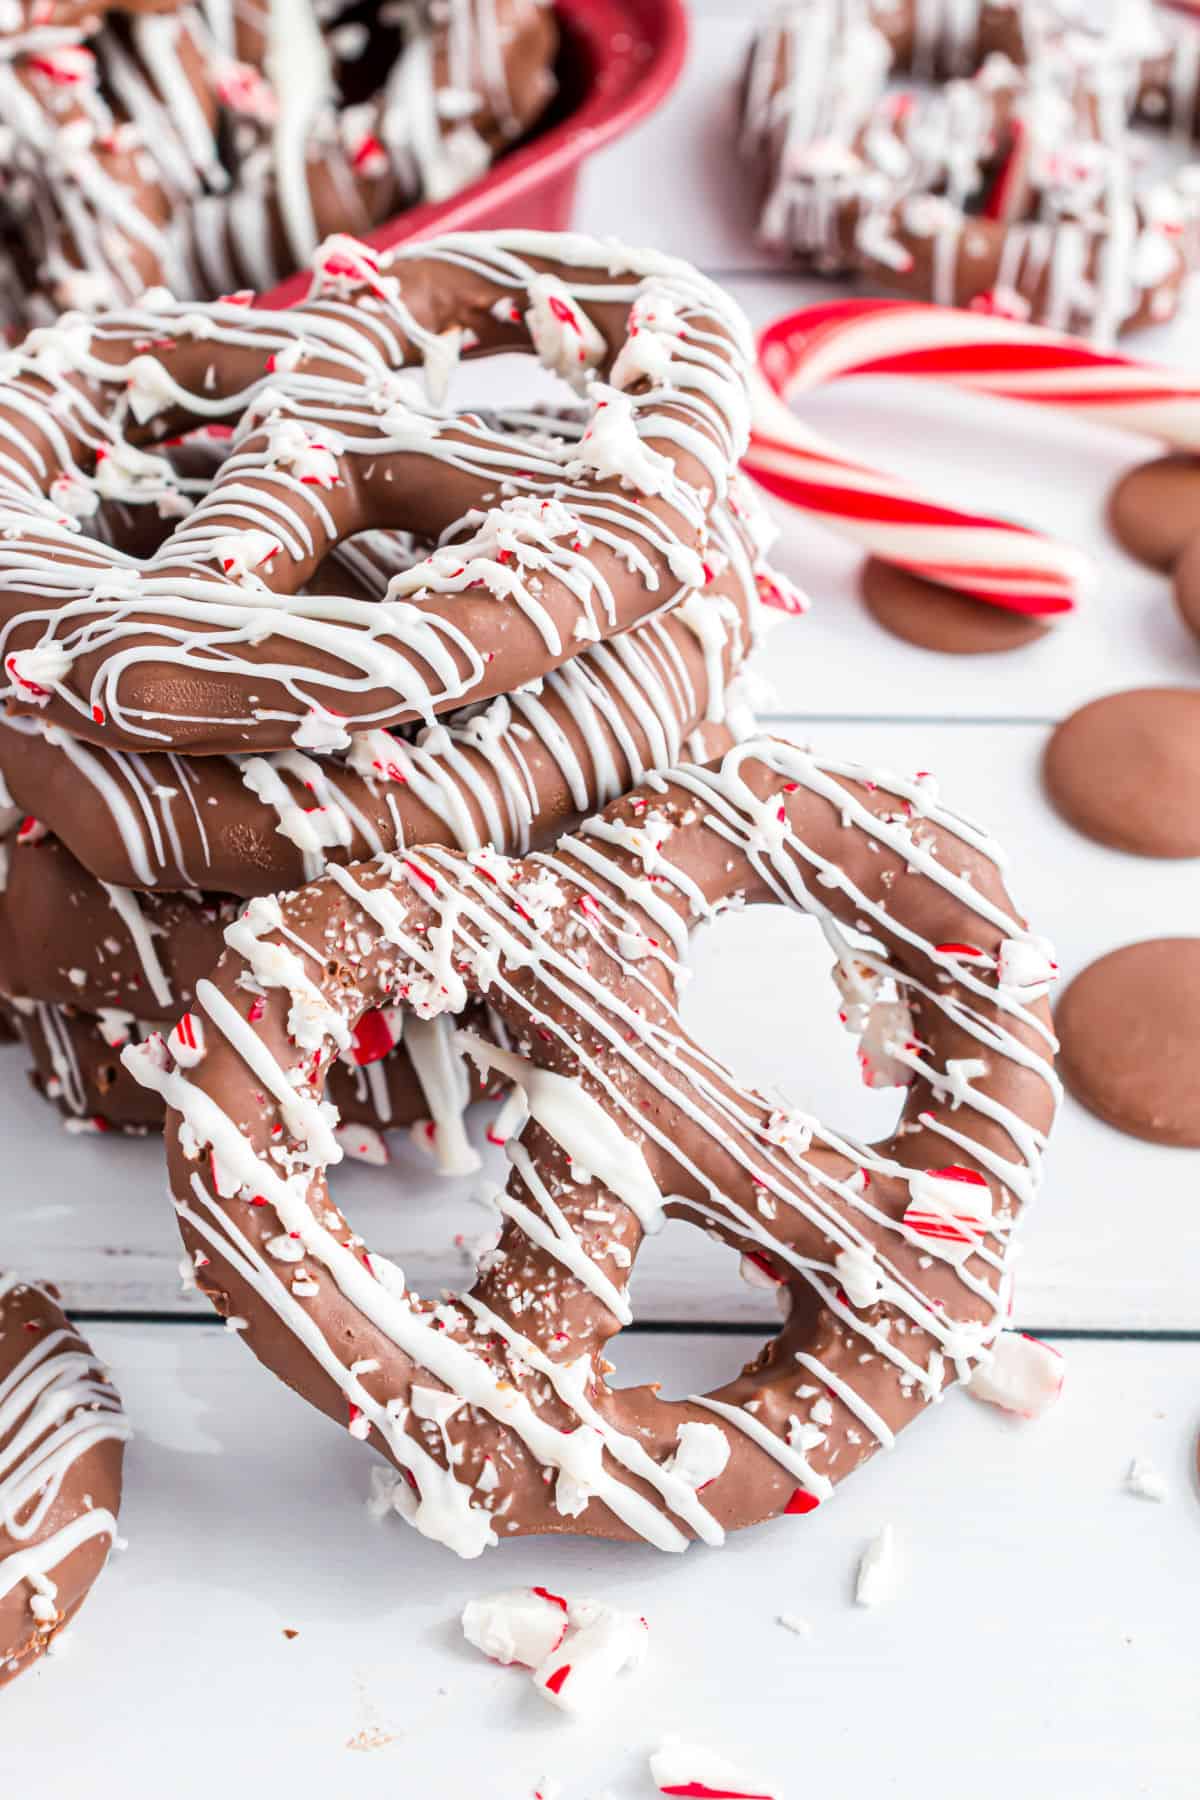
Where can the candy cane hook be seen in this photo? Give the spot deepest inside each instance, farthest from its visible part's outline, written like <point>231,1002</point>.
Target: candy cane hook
<point>990,559</point>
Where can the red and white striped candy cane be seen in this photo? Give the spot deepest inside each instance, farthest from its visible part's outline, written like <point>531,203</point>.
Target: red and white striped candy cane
<point>991,559</point>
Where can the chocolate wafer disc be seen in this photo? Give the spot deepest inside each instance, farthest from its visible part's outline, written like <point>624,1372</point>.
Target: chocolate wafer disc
<point>1125,770</point>
<point>1129,1027</point>
<point>1154,511</point>
<point>940,618</point>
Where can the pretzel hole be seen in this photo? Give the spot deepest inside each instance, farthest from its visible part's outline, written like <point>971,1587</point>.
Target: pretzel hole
<point>763,1000</point>
<point>513,379</point>
<point>685,1281</point>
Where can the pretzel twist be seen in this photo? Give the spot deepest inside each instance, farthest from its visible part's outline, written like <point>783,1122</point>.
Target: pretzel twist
<point>512,773</point>
<point>493,1405</point>
<point>1013,188</point>
<point>213,147</point>
<point>206,645</point>
<point>62,1441</point>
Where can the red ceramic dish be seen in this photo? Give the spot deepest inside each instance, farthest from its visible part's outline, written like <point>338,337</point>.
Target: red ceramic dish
<point>617,61</point>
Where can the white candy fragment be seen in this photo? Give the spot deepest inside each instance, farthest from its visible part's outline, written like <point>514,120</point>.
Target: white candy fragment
<point>285,1248</point>
<point>574,1649</point>
<point>563,336</point>
<point>756,1272</point>
<point>1026,966</point>
<point>613,446</point>
<point>308,459</point>
<point>681,1768</point>
<point>877,1569</point>
<point>858,984</point>
<point>701,1454</point>
<point>1024,1376</point>
<point>38,670</point>
<point>240,553</point>
<point>889,1029</point>
<point>362,1143</point>
<point>600,1644</point>
<point>518,1625</point>
<point>1144,1480</point>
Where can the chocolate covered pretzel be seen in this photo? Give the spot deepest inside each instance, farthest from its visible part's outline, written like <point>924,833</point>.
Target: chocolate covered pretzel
<point>513,773</point>
<point>208,645</point>
<point>212,145</point>
<point>892,1259</point>
<point>1013,186</point>
<point>62,1442</point>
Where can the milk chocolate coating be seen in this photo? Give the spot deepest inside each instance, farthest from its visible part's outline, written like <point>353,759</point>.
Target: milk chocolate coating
<point>1187,585</point>
<point>77,1067</point>
<point>1154,510</point>
<point>577,1025</point>
<point>68,938</point>
<point>62,938</point>
<point>186,823</point>
<point>935,617</point>
<point>1129,1031</point>
<point>89,1480</point>
<point>1125,770</point>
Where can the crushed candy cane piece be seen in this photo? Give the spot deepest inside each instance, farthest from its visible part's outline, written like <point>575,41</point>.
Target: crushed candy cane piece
<point>694,1773</point>
<point>601,1643</point>
<point>889,1028</point>
<point>186,1041</point>
<point>362,1143</point>
<point>950,1210</point>
<point>1145,1481</point>
<point>860,1274</point>
<point>574,1649</point>
<point>877,1571</point>
<point>1024,1376</point>
<point>701,1454</point>
<point>1027,966</point>
<point>517,1625</point>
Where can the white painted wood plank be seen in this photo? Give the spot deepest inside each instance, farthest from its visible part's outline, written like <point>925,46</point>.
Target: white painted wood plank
<point>1040,1640</point>
<point>675,181</point>
<point>1115,1240</point>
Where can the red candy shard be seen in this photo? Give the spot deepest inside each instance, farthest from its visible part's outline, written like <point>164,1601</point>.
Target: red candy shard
<point>700,1790</point>
<point>554,1599</point>
<point>554,1682</point>
<point>801,1502</point>
<point>372,1038</point>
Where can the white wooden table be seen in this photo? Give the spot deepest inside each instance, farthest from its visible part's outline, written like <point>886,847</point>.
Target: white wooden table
<point>1042,1636</point>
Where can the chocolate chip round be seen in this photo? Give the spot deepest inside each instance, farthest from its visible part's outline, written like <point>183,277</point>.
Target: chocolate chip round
<point>1130,1032</point>
<point>1125,770</point>
<point>941,618</point>
<point>1154,511</point>
<point>1187,585</point>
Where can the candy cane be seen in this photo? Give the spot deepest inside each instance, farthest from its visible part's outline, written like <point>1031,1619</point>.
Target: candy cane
<point>991,559</point>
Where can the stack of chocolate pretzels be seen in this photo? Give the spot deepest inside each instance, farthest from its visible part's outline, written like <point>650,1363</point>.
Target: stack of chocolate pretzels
<point>248,564</point>
<point>207,145</point>
<point>365,643</point>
